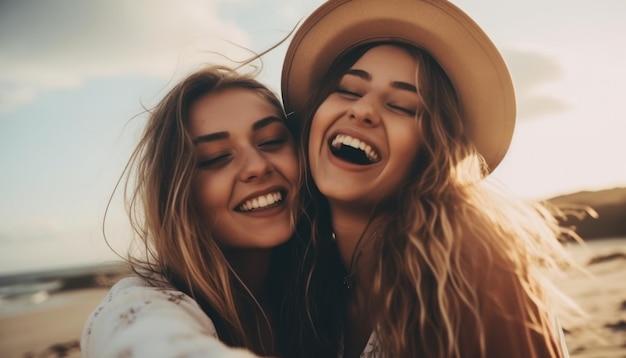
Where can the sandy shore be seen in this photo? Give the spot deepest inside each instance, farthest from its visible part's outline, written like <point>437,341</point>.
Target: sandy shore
<point>52,327</point>
<point>602,334</point>
<point>49,328</point>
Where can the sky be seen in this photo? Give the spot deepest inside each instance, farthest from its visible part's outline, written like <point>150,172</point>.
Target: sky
<point>75,77</point>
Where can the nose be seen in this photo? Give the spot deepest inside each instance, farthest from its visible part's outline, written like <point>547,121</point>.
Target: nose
<point>364,112</point>
<point>255,166</point>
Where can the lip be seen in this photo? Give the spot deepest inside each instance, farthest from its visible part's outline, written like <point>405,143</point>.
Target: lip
<point>283,190</point>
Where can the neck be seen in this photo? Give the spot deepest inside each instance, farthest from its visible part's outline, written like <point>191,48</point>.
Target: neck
<point>348,226</point>
<point>251,266</point>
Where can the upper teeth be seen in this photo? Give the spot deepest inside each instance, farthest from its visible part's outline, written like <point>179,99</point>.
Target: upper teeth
<point>261,201</point>
<point>355,143</point>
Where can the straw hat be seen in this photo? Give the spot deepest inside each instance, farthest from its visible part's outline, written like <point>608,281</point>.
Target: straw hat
<point>467,55</point>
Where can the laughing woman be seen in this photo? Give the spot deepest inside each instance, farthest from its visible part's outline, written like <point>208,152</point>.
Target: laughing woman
<point>406,107</point>
<point>216,177</point>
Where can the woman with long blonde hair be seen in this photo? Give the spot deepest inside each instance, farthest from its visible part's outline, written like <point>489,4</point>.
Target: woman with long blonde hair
<point>405,108</point>
<point>212,195</point>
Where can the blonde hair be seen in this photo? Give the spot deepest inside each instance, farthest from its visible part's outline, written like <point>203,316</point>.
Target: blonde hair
<point>175,242</point>
<point>443,235</point>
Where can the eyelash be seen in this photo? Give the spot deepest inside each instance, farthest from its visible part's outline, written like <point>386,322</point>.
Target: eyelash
<point>407,111</point>
<point>346,92</point>
<point>221,159</point>
<point>214,161</point>
<point>274,143</point>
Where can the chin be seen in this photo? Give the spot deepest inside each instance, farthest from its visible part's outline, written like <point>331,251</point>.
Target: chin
<point>343,193</point>
<point>277,238</point>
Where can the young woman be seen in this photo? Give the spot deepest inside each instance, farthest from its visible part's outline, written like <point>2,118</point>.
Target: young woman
<point>406,106</point>
<point>215,181</point>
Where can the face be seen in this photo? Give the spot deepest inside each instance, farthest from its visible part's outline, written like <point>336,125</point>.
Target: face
<point>247,174</point>
<point>365,136</point>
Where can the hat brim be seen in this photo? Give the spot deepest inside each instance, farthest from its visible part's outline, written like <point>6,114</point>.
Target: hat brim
<point>461,47</point>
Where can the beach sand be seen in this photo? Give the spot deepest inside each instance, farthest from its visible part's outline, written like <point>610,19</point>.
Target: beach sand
<point>602,334</point>
<point>48,329</point>
<point>52,327</point>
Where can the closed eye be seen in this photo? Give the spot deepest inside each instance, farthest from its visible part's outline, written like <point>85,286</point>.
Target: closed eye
<point>274,143</point>
<point>214,162</point>
<point>404,110</point>
<point>347,93</point>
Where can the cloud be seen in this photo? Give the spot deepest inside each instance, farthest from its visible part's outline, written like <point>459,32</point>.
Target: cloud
<point>530,71</point>
<point>52,45</point>
<point>13,98</point>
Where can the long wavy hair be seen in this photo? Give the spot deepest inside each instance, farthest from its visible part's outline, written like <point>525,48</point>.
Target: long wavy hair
<point>447,243</point>
<point>176,246</point>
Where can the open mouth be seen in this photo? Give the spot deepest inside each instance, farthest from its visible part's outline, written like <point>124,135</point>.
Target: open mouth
<point>353,150</point>
<point>262,202</point>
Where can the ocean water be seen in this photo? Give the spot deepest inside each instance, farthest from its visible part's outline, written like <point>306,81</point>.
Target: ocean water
<point>24,292</point>
<point>32,272</point>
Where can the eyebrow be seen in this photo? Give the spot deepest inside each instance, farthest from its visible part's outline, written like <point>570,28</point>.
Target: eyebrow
<point>395,84</point>
<point>404,86</point>
<point>261,123</point>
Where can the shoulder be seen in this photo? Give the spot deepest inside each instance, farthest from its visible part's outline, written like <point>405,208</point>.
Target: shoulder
<point>139,318</point>
<point>134,295</point>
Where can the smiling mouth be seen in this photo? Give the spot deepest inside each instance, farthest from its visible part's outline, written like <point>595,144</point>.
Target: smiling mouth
<point>262,202</point>
<point>353,150</point>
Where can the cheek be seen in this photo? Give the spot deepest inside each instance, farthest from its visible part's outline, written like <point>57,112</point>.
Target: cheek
<point>319,125</point>
<point>312,147</point>
<point>406,144</point>
<point>209,195</point>
<point>289,166</point>
<point>324,117</point>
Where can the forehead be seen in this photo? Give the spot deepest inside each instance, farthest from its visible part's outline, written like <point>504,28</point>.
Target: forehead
<point>388,61</point>
<point>231,110</point>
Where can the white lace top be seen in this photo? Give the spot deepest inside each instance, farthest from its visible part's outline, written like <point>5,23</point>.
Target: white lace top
<point>139,320</point>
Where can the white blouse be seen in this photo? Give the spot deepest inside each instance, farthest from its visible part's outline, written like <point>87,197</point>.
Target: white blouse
<point>139,320</point>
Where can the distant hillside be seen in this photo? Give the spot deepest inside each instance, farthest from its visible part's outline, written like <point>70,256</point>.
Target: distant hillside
<point>609,204</point>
